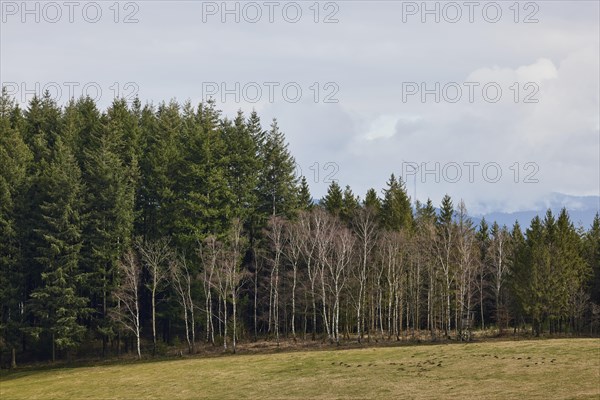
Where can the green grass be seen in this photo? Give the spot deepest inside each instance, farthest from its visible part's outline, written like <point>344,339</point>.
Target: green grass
<point>544,369</point>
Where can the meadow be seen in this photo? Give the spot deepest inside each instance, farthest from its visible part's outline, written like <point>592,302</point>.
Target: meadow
<point>557,369</point>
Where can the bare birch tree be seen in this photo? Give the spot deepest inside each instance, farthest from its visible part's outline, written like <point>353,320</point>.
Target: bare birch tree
<point>275,235</point>
<point>499,263</point>
<point>337,262</point>
<point>365,226</point>
<point>466,265</point>
<point>209,251</point>
<point>295,244</point>
<point>155,257</point>
<point>233,272</point>
<point>127,312</point>
<point>182,283</point>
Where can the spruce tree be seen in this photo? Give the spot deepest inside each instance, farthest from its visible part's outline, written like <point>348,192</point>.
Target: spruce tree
<point>14,159</point>
<point>110,170</point>
<point>305,201</point>
<point>569,270</point>
<point>241,165</point>
<point>334,199</point>
<point>372,201</point>
<point>446,211</point>
<point>396,211</point>
<point>350,204</point>
<point>160,131</point>
<point>277,181</point>
<point>592,255</point>
<point>56,302</point>
<point>203,199</point>
<point>40,129</point>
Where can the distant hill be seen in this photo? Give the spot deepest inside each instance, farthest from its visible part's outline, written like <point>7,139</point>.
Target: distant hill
<point>582,210</point>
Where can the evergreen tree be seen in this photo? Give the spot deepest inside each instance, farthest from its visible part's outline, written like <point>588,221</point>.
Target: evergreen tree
<point>14,158</point>
<point>517,271</point>
<point>242,165</point>
<point>569,271</point>
<point>372,201</point>
<point>56,302</point>
<point>592,255</point>
<point>40,130</point>
<point>531,272</point>
<point>110,168</point>
<point>396,211</point>
<point>350,204</point>
<point>425,212</point>
<point>305,201</point>
<point>334,199</point>
<point>446,211</point>
<point>203,199</point>
<point>42,126</point>
<point>277,182</point>
<point>160,153</point>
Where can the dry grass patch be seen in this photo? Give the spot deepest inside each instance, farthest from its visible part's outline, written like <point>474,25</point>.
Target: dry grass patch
<point>558,369</point>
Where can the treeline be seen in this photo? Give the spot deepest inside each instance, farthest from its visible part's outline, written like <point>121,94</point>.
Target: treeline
<point>154,224</point>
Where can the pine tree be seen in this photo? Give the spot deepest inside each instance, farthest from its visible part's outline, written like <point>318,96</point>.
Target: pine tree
<point>277,182</point>
<point>202,196</point>
<point>350,204</point>
<point>518,272</point>
<point>531,273</point>
<point>445,245</point>
<point>14,158</point>
<point>396,211</point>
<point>110,170</point>
<point>372,201</point>
<point>159,155</point>
<point>446,211</point>
<point>57,303</point>
<point>334,199</point>
<point>569,271</point>
<point>305,201</point>
<point>592,255</point>
<point>241,165</point>
<point>42,126</point>
<point>39,129</point>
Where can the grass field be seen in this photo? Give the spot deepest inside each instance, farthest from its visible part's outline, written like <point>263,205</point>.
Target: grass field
<point>545,369</point>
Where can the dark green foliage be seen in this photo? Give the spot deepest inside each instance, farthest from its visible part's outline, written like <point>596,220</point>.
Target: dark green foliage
<point>334,199</point>
<point>592,254</point>
<point>305,201</point>
<point>372,201</point>
<point>446,212</point>
<point>350,204</point>
<point>56,303</point>
<point>110,170</point>
<point>276,181</point>
<point>396,211</point>
<point>14,159</point>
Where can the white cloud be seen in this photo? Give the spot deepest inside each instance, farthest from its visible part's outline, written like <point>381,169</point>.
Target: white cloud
<point>368,54</point>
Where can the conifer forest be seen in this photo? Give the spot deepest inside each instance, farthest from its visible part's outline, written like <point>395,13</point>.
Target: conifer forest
<point>139,227</point>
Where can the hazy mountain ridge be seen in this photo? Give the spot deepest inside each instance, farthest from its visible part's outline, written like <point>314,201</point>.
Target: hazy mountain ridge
<point>582,210</point>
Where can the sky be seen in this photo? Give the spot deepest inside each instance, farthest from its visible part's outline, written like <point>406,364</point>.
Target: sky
<point>496,103</point>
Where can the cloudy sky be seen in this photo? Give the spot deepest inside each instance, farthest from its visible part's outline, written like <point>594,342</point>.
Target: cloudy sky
<point>492,102</point>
